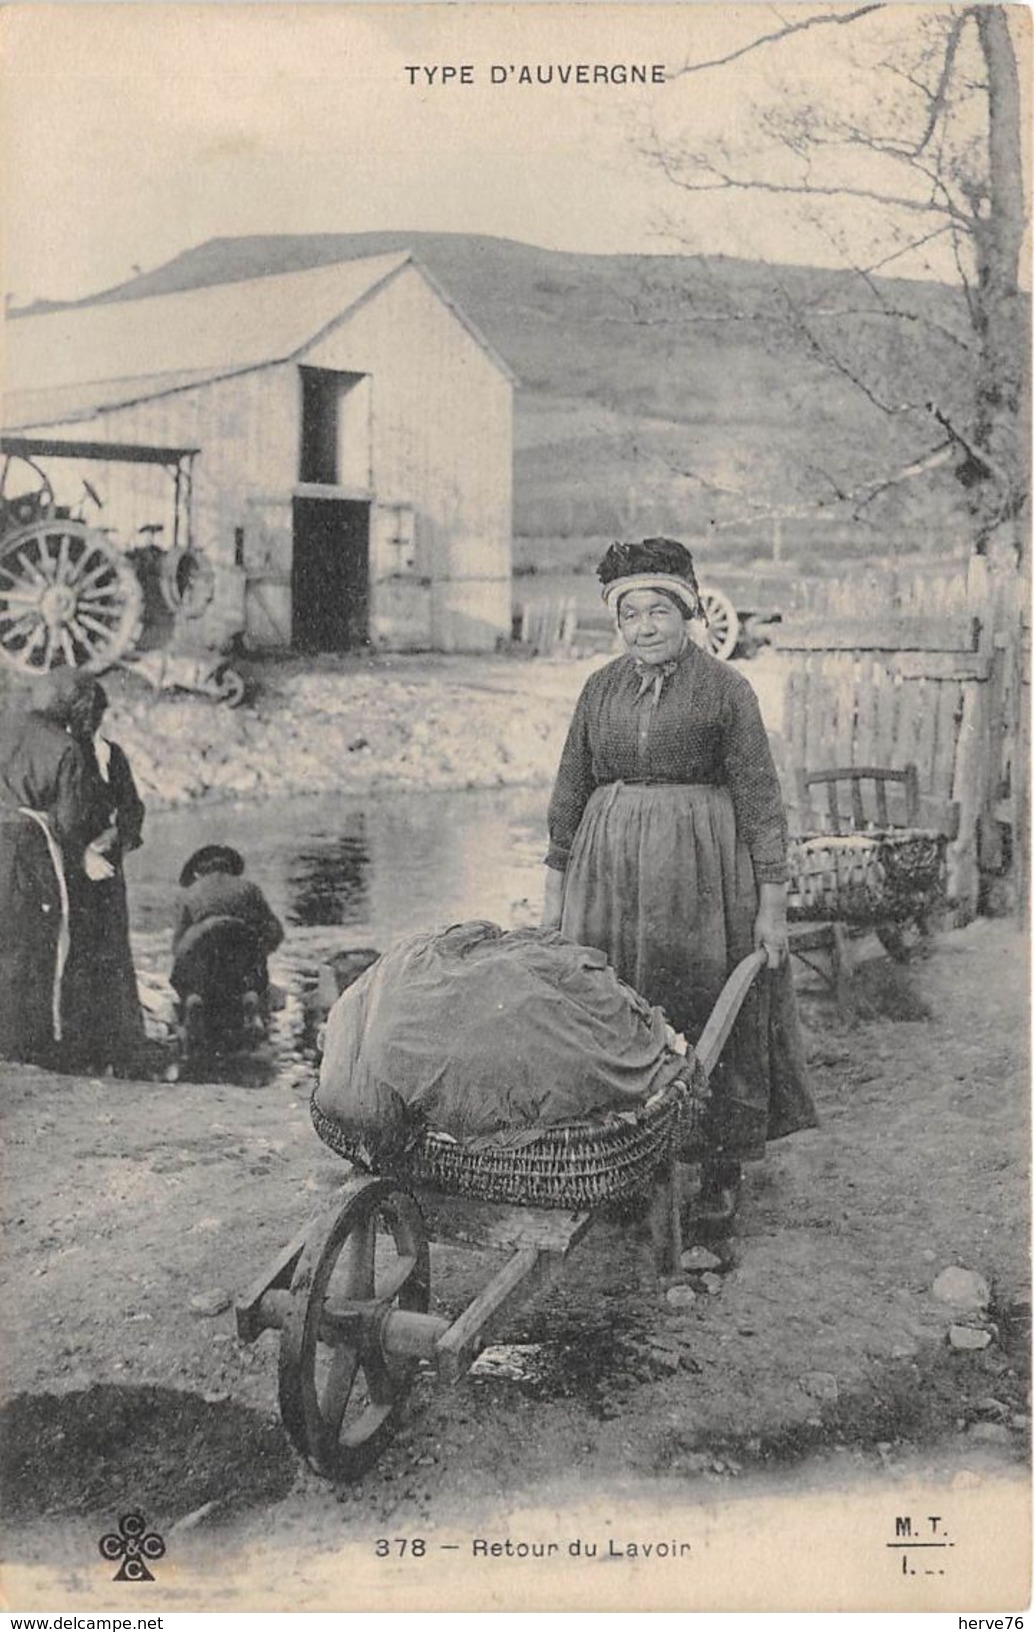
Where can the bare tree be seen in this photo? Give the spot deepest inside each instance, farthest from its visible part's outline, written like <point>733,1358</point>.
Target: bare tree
<point>910,160</point>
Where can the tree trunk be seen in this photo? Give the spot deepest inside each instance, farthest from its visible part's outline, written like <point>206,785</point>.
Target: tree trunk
<point>1003,397</point>
<point>1002,423</point>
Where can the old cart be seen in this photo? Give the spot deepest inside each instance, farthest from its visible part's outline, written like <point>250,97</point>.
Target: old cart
<point>70,596</point>
<point>350,1295</point>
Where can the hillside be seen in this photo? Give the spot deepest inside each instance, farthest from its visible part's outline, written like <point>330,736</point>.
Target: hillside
<point>686,394</point>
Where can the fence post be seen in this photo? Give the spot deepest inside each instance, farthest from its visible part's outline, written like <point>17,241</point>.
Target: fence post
<point>1021,771</point>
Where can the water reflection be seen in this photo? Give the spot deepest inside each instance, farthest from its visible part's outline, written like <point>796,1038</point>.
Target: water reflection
<point>384,865</point>
<point>328,880</point>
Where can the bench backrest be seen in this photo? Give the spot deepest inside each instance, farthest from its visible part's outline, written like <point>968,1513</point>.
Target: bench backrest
<point>862,797</point>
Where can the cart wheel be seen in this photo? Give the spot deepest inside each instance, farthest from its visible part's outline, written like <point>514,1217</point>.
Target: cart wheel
<point>723,626</point>
<point>187,582</point>
<point>341,1396</point>
<point>231,686</point>
<point>67,598</point>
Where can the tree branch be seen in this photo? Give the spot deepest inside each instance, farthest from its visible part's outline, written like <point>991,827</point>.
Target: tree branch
<point>841,135</point>
<point>783,33</point>
<point>939,95</point>
<point>906,249</point>
<point>893,314</point>
<point>940,455</point>
<point>830,359</point>
<point>861,495</point>
<point>979,457</point>
<point>727,183</point>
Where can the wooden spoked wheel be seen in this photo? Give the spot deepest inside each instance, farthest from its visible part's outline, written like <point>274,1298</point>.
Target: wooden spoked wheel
<point>341,1395</point>
<point>231,686</point>
<point>66,599</point>
<point>723,625</point>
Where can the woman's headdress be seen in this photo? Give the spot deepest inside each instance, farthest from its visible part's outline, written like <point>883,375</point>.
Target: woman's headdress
<point>64,696</point>
<point>653,563</point>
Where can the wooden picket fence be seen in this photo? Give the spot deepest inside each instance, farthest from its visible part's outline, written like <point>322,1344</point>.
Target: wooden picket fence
<point>551,626</point>
<point>924,664</point>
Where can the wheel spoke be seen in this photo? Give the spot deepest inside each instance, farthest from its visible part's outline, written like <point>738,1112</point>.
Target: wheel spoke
<point>82,635</point>
<point>90,620</point>
<point>48,562</point>
<point>382,1384</point>
<point>86,579</point>
<point>30,571</point>
<point>62,558</point>
<point>18,597</point>
<point>88,556</point>
<point>32,644</point>
<point>67,647</point>
<point>357,1259</point>
<point>338,1387</point>
<point>395,1279</point>
<point>99,593</point>
<point>358,1433</point>
<point>103,620</point>
<point>19,625</point>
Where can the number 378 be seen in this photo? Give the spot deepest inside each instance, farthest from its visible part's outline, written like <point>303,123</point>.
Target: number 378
<point>400,1547</point>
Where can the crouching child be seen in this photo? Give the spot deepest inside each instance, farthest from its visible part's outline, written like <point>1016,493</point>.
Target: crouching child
<point>224,932</point>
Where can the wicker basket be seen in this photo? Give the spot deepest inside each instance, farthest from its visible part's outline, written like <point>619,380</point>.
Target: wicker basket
<point>577,1165</point>
<point>866,878</point>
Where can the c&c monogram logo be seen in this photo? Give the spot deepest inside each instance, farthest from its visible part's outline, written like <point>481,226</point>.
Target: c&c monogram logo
<point>133,1544</point>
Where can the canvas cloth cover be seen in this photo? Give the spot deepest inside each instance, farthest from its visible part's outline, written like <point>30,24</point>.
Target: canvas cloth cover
<point>478,1032</point>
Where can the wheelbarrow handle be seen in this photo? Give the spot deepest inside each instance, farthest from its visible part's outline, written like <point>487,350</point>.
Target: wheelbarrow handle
<point>723,1016</point>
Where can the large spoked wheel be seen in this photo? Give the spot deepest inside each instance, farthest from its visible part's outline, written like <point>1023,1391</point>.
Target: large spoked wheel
<point>66,599</point>
<point>341,1395</point>
<point>723,626</point>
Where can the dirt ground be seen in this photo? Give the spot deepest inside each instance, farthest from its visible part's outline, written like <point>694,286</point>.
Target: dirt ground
<point>817,1354</point>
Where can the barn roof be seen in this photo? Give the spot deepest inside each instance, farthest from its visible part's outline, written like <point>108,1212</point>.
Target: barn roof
<point>82,360</point>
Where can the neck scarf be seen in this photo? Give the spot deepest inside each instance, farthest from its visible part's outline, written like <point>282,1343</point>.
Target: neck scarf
<point>653,675</point>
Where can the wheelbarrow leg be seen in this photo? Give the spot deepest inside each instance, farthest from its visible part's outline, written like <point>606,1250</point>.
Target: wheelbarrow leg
<point>842,968</point>
<point>666,1218</point>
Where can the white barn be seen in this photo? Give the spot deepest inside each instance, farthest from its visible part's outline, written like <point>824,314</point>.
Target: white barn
<point>354,478</point>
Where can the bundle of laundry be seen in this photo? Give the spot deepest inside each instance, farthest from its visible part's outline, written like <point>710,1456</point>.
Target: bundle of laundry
<point>484,1033</point>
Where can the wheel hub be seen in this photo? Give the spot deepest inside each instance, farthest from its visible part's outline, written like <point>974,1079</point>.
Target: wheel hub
<point>57,604</point>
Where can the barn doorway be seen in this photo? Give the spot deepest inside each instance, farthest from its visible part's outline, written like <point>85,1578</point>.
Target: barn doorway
<point>330,574</point>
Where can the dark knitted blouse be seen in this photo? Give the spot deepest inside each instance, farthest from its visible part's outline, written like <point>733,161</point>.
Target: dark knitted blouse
<point>705,727</point>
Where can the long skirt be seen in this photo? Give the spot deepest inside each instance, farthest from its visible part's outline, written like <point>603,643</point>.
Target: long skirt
<point>103,1022</point>
<point>30,942</point>
<point>659,881</point>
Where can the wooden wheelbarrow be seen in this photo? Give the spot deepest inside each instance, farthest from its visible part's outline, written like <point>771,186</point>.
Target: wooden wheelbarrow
<point>350,1295</point>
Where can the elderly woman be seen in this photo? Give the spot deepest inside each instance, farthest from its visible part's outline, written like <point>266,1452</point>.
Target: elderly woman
<point>668,852</point>
<point>43,834</point>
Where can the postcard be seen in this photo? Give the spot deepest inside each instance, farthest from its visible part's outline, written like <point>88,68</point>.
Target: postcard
<point>514,808</point>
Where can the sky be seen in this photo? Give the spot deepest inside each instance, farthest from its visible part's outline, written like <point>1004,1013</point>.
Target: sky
<point>130,132</point>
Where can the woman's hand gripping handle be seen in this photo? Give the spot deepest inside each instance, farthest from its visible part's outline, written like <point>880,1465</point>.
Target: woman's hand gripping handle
<point>770,932</point>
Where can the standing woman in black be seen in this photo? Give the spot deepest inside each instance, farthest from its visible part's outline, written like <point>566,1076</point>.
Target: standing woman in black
<point>668,852</point>
<point>105,1024</point>
<point>44,828</point>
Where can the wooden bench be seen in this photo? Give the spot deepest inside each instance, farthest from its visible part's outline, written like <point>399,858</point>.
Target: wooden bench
<point>863,800</point>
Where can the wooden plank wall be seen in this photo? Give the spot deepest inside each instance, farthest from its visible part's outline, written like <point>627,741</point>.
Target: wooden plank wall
<point>914,664</point>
